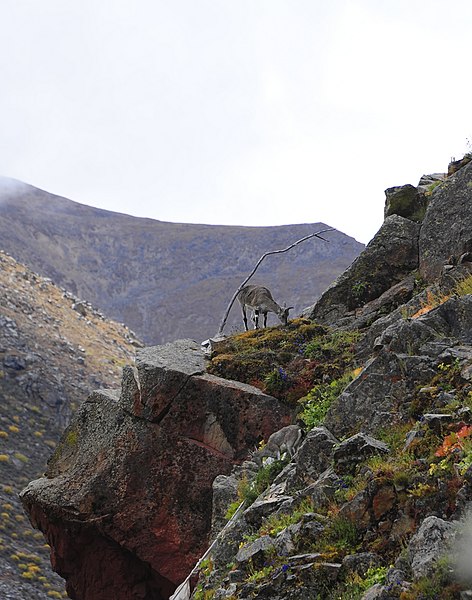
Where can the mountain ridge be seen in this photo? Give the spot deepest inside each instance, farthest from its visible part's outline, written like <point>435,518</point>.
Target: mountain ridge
<point>164,280</point>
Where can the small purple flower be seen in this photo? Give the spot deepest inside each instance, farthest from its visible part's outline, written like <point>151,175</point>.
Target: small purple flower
<point>282,374</point>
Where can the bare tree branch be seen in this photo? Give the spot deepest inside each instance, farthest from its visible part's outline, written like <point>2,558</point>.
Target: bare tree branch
<point>303,239</point>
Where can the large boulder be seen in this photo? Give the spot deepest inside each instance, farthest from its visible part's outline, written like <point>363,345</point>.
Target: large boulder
<point>126,500</point>
<point>432,541</point>
<point>406,201</point>
<point>447,226</point>
<point>388,258</point>
<point>370,402</point>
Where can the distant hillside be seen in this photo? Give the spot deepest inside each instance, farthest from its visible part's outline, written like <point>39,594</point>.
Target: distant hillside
<point>53,352</point>
<point>164,280</point>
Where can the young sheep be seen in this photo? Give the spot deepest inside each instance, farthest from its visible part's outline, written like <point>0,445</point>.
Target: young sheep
<point>285,440</point>
<point>259,300</point>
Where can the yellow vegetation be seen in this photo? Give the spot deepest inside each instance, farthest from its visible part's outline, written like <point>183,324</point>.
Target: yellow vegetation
<point>464,287</point>
<point>432,301</point>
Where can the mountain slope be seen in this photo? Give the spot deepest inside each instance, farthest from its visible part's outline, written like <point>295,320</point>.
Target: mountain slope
<point>53,352</point>
<point>372,502</point>
<point>165,280</point>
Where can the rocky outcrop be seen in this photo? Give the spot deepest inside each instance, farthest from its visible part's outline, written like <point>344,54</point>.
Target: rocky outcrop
<point>407,357</point>
<point>405,201</point>
<point>432,541</point>
<point>447,227</point>
<point>427,227</point>
<point>384,383</point>
<point>340,511</point>
<point>388,258</point>
<point>126,500</point>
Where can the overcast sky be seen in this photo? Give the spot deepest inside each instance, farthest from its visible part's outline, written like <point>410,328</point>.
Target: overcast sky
<point>253,112</point>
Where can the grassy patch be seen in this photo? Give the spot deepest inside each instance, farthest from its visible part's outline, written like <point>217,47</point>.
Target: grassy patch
<point>286,362</point>
<point>464,287</point>
<point>317,402</point>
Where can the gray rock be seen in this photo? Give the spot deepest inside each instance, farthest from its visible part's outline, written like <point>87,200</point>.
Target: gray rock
<point>285,540</point>
<point>225,492</point>
<point>228,592</point>
<point>263,508</point>
<point>432,541</point>
<point>412,436</point>
<point>405,336</point>
<point>426,181</point>
<point>395,296</point>
<point>452,319</point>
<point>14,362</point>
<point>164,370</point>
<point>376,592</point>
<point>370,402</point>
<point>390,256</point>
<point>355,450</point>
<point>313,458</point>
<point>227,545</point>
<point>437,422</point>
<point>360,563</point>
<point>447,226</point>
<point>323,490</point>
<point>254,549</point>
<point>404,200</point>
<point>80,307</point>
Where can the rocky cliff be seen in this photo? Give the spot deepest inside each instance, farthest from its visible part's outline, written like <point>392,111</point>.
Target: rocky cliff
<point>164,280</point>
<point>371,504</point>
<point>125,499</point>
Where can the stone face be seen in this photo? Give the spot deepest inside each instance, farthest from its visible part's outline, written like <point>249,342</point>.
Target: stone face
<point>447,226</point>
<point>395,296</point>
<point>407,354</point>
<point>163,371</point>
<point>225,492</point>
<point>453,319</point>
<point>432,541</point>
<point>356,449</point>
<point>253,549</point>
<point>388,258</point>
<point>314,456</point>
<point>360,563</point>
<point>140,491</point>
<point>426,181</point>
<point>368,403</point>
<point>405,201</point>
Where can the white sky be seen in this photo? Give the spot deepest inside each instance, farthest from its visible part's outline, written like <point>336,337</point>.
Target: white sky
<point>253,112</point>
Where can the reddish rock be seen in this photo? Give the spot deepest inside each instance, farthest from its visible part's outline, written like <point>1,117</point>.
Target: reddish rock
<point>126,500</point>
<point>383,501</point>
<point>357,510</point>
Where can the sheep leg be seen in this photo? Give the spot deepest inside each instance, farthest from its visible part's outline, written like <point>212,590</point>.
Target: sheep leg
<point>245,318</point>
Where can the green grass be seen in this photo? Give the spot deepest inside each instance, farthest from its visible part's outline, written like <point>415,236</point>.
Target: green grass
<point>317,402</point>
